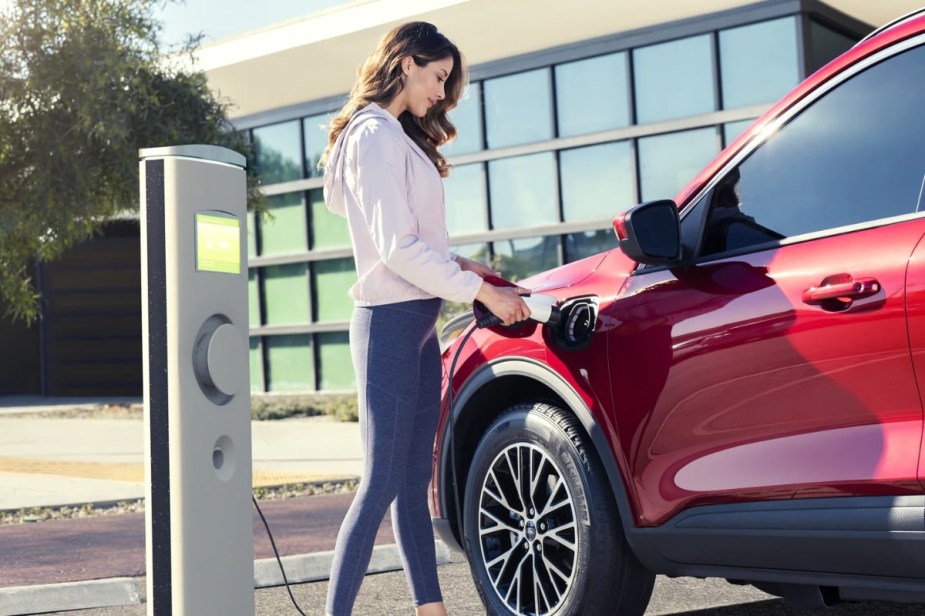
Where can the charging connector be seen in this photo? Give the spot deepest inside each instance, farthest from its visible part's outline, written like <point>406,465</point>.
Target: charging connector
<point>543,309</point>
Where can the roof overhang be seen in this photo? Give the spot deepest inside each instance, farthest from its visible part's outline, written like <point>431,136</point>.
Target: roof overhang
<point>317,56</point>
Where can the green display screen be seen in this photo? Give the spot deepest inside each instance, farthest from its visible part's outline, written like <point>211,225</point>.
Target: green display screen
<point>218,244</point>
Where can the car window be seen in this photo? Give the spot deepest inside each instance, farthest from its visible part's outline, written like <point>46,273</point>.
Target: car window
<point>854,155</point>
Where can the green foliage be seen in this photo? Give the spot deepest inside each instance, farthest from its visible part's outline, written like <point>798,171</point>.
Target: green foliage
<point>341,407</point>
<point>83,87</point>
<point>273,166</point>
<point>514,268</point>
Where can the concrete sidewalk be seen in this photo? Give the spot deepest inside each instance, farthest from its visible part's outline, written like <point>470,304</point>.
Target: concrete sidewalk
<point>72,461</point>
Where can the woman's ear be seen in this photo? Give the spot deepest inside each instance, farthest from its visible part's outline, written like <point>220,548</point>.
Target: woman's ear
<point>406,65</point>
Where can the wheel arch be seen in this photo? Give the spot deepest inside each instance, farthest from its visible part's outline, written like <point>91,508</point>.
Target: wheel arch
<point>498,385</point>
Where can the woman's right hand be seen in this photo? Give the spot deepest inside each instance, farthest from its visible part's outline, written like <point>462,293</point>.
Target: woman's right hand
<point>504,302</point>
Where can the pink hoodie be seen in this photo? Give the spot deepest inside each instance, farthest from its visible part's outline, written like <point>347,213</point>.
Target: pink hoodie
<point>392,197</point>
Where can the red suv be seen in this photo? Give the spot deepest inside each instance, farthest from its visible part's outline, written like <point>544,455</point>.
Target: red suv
<point>736,392</point>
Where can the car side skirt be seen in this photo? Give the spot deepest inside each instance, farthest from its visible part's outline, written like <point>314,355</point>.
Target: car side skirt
<point>869,548</point>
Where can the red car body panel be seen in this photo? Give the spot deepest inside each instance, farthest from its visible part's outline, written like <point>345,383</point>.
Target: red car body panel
<point>830,394</point>
<point>725,362</point>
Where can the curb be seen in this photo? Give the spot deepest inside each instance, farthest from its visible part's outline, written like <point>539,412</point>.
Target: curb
<point>301,568</point>
<point>317,567</point>
<point>69,596</point>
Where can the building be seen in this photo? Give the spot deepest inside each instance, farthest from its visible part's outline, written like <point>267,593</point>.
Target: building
<point>576,111</point>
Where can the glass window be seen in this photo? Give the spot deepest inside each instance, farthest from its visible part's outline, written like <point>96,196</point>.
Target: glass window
<point>285,232</point>
<point>522,258</point>
<point>286,289</point>
<point>467,118</point>
<point>826,44</point>
<point>523,191</point>
<point>316,140</point>
<point>333,279</point>
<point>759,63</point>
<point>597,181</point>
<point>668,162</point>
<point>581,245</point>
<point>479,252</point>
<point>466,207</point>
<point>732,130</point>
<point>852,156</point>
<point>336,367</point>
<point>277,152</point>
<point>253,299</point>
<point>290,363</point>
<point>256,365</point>
<point>518,108</point>
<point>609,108</point>
<point>328,229</point>
<point>674,79</point>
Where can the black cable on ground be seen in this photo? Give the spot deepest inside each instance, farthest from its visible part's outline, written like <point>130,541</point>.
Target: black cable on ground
<point>450,423</point>
<point>278,559</point>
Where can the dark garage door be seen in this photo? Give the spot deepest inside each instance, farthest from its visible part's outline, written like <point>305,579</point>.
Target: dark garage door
<point>92,319</point>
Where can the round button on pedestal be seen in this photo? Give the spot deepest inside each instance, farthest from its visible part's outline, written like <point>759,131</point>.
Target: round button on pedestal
<point>220,357</point>
<point>226,359</point>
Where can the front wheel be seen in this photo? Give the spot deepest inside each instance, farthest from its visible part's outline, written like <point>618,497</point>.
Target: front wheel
<point>540,518</point>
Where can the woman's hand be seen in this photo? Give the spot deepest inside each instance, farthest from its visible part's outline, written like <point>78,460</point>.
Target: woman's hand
<point>468,265</point>
<point>504,302</point>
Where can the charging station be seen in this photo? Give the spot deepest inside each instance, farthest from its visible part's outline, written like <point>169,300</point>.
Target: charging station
<point>198,524</point>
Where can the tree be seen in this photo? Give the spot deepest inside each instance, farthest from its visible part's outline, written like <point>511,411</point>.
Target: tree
<point>83,86</point>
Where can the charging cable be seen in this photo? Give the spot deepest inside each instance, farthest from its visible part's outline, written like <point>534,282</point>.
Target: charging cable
<point>278,559</point>
<point>488,320</point>
<point>543,309</point>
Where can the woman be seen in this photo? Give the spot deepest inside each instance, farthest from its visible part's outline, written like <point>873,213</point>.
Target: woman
<point>382,171</point>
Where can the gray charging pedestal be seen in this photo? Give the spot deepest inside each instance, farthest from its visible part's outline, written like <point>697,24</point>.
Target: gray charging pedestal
<point>199,529</point>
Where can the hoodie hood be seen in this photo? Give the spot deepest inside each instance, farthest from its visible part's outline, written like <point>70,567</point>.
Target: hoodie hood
<point>336,167</point>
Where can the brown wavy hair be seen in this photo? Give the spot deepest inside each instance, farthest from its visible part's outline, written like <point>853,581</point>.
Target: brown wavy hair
<point>380,80</point>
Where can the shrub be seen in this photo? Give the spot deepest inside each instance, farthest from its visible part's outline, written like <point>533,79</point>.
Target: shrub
<point>342,407</point>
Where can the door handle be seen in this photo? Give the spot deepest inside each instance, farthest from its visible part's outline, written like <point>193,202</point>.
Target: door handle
<point>841,287</point>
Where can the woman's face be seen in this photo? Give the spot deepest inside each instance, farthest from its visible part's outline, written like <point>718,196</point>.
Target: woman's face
<point>424,85</point>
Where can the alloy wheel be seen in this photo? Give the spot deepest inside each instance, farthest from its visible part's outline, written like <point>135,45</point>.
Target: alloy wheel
<point>527,530</point>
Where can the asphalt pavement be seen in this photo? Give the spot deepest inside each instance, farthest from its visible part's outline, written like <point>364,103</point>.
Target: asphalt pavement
<point>386,594</point>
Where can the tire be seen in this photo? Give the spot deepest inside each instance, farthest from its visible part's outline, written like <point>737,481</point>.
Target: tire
<point>569,557</point>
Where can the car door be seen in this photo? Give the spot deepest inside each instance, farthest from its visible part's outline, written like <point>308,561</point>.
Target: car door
<point>777,363</point>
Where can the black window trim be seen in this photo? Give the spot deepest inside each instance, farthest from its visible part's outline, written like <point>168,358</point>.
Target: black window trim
<point>808,237</point>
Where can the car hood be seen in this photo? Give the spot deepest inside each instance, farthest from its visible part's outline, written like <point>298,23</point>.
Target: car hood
<point>577,272</point>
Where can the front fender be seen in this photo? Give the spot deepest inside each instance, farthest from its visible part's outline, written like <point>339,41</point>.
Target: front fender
<point>545,379</point>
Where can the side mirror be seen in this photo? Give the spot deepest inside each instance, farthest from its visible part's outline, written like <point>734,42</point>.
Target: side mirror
<point>650,233</point>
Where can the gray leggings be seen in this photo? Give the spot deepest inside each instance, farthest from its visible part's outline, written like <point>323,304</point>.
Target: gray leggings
<point>397,362</point>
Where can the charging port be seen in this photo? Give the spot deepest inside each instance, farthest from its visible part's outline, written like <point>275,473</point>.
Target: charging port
<point>577,324</point>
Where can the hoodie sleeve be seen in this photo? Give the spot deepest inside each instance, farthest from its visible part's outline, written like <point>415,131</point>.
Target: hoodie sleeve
<point>382,192</point>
